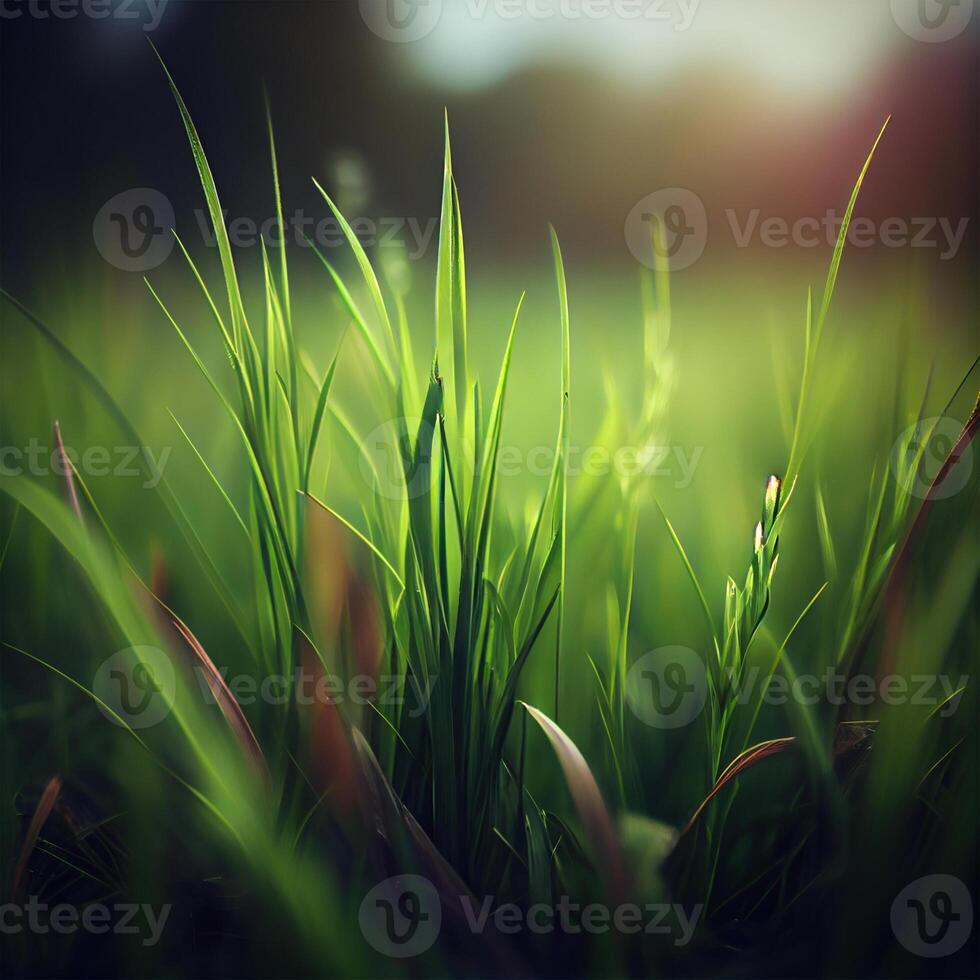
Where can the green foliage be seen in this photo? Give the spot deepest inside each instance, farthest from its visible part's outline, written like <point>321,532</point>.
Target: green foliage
<point>439,587</point>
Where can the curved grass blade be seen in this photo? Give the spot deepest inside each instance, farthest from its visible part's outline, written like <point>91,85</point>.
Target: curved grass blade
<point>350,527</point>
<point>598,824</point>
<point>689,568</point>
<point>738,765</point>
<point>321,404</point>
<point>364,264</point>
<point>44,807</point>
<point>356,316</point>
<point>66,469</point>
<point>214,209</point>
<point>207,469</point>
<point>115,412</point>
<point>563,441</point>
<point>230,708</point>
<point>451,283</point>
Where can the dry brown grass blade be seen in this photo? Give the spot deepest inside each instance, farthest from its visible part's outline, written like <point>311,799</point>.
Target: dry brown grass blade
<point>892,603</point>
<point>331,752</point>
<point>850,736</point>
<point>591,807</point>
<point>395,822</point>
<point>738,765</point>
<point>341,594</point>
<point>230,708</point>
<point>393,816</point>
<point>44,807</point>
<point>66,470</point>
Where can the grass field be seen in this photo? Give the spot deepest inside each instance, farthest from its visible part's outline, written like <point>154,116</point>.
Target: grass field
<point>364,605</point>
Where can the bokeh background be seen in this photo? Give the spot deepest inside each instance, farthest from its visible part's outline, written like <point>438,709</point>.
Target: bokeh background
<point>558,114</point>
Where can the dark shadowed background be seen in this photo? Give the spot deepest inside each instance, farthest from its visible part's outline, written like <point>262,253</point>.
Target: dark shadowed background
<point>561,112</point>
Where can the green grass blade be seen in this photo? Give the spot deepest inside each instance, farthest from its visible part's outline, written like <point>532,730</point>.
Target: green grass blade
<point>364,264</point>
<point>321,404</point>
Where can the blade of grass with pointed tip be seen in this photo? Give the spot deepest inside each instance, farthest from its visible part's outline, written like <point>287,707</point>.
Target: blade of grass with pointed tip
<point>44,807</point>
<point>451,284</point>
<point>599,828</point>
<point>357,317</point>
<point>229,706</point>
<point>321,404</point>
<point>214,209</point>
<point>364,264</point>
<point>689,568</point>
<point>561,516</point>
<point>374,549</point>
<point>207,469</point>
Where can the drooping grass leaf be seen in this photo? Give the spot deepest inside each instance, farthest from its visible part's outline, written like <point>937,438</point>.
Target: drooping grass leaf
<point>599,828</point>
